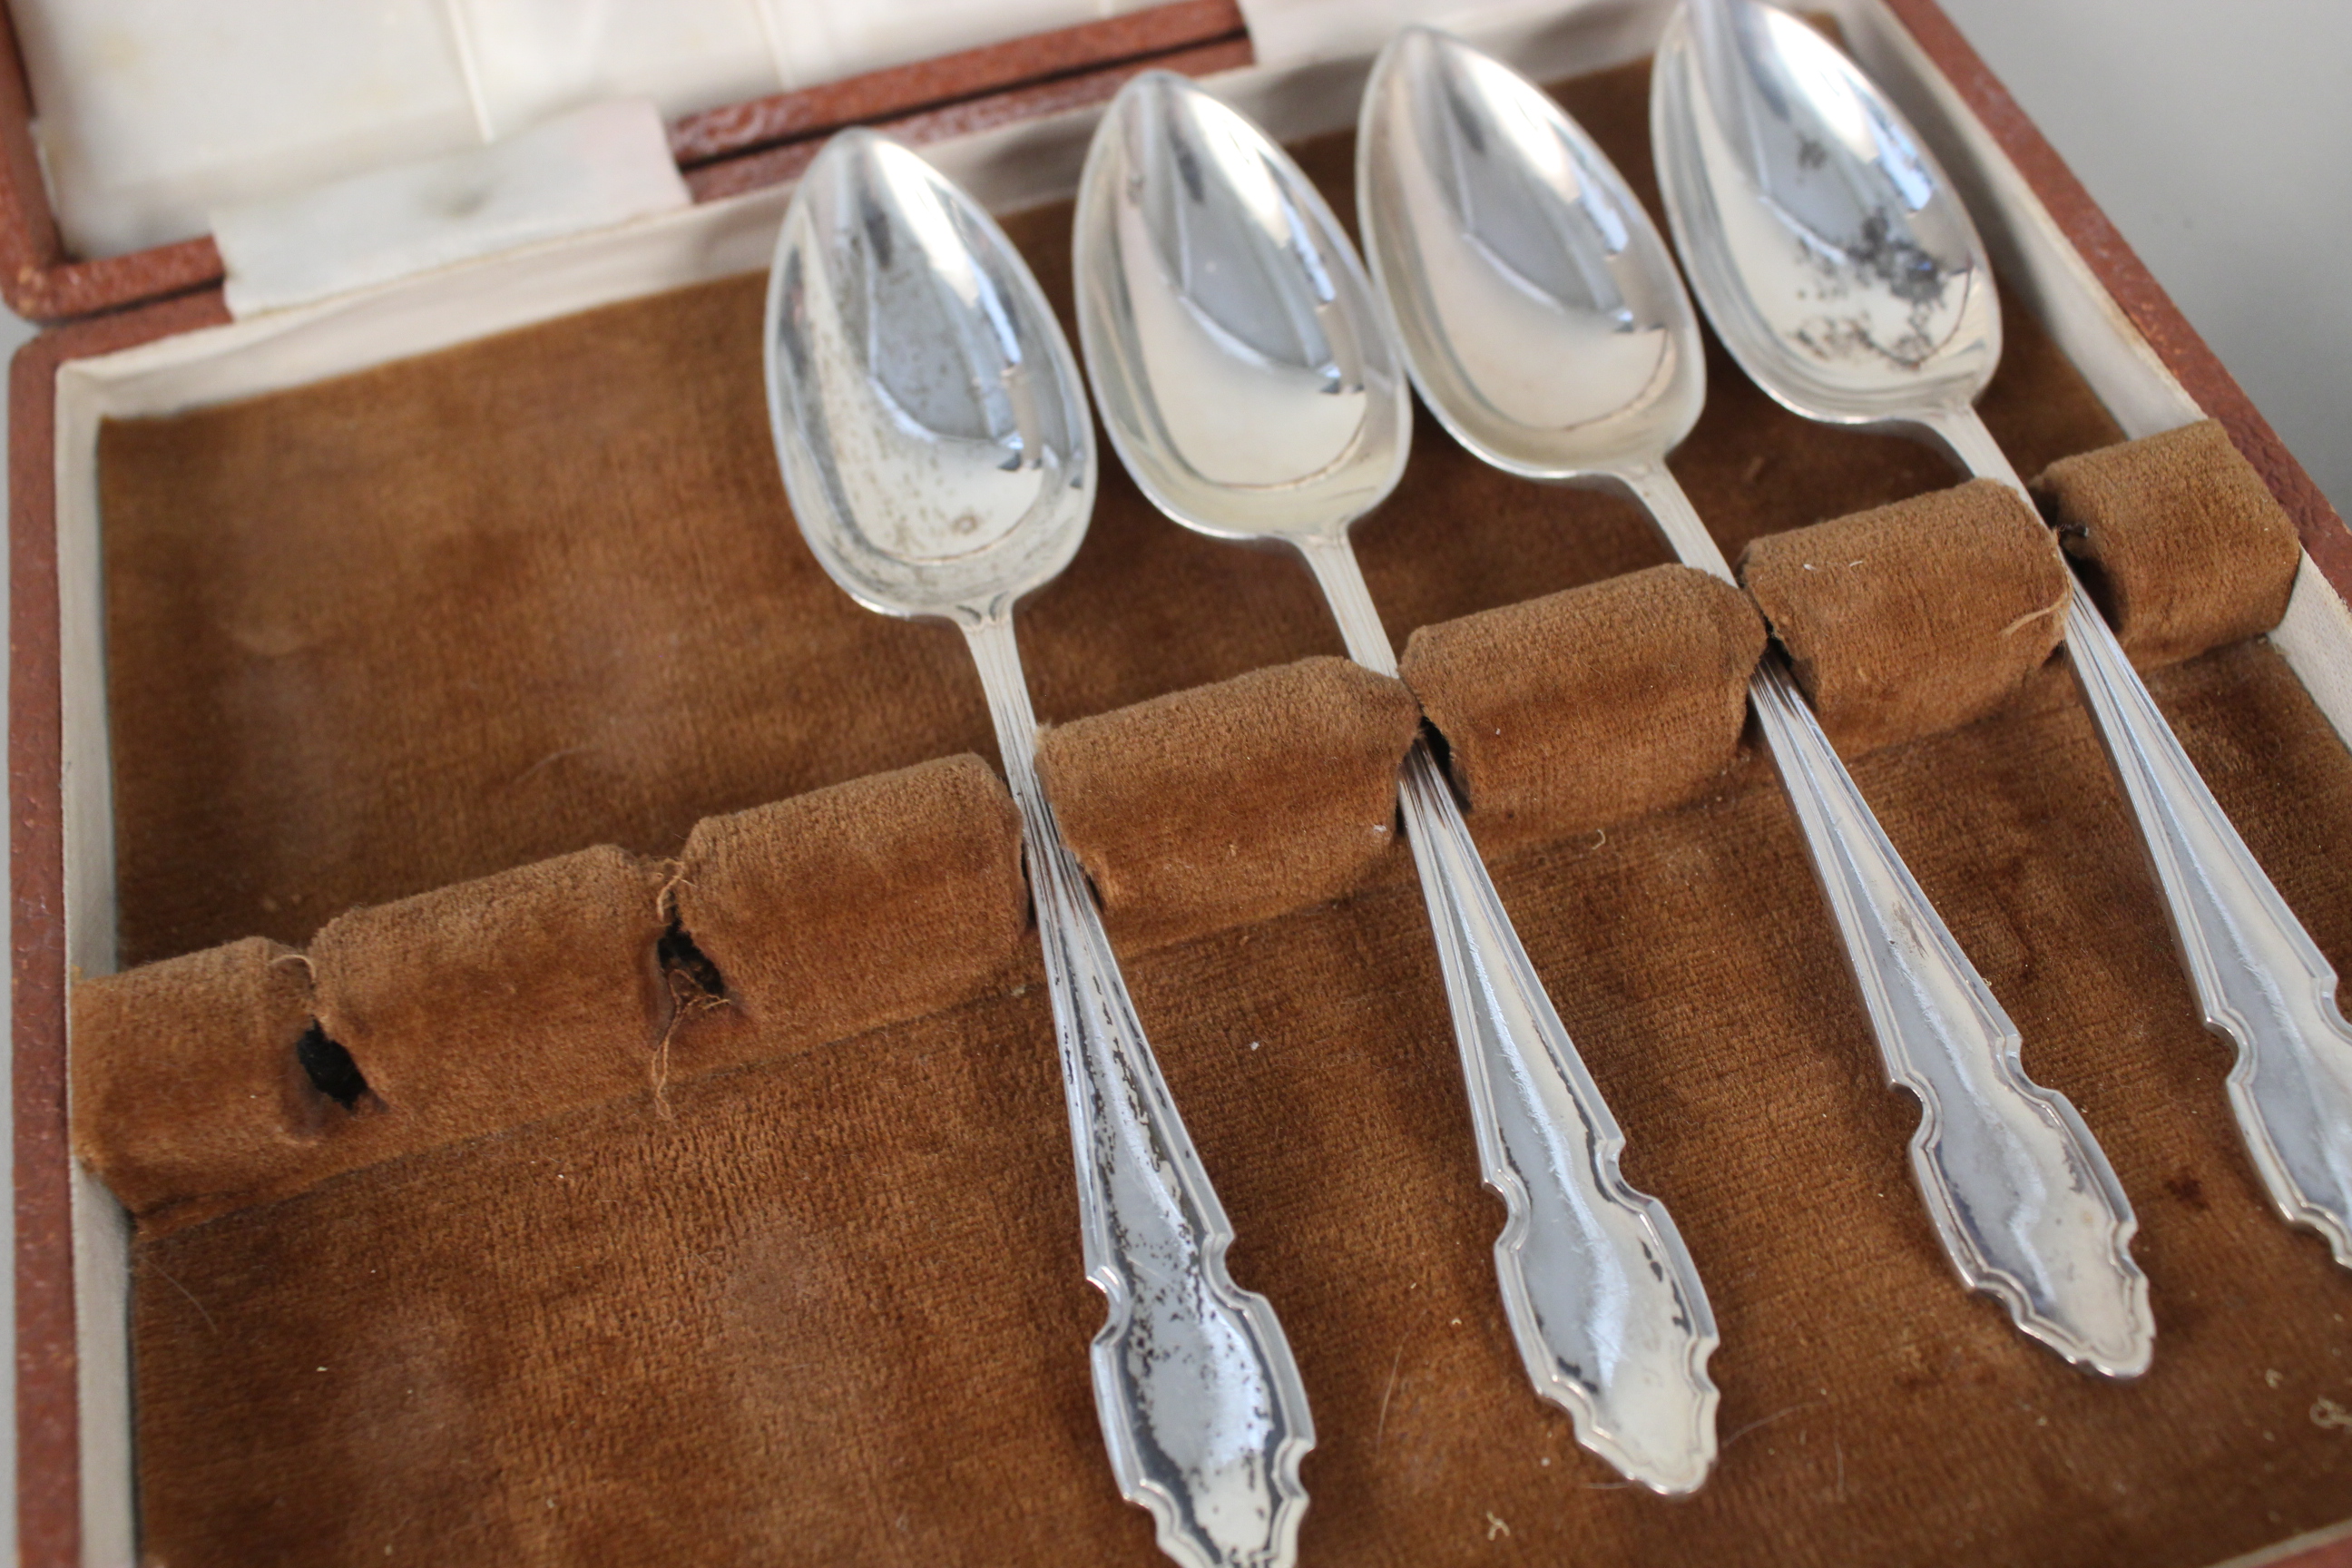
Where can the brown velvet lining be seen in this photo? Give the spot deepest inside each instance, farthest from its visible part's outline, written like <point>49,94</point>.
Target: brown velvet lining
<point>538,983</point>
<point>2186,547</point>
<point>481,1006</point>
<point>189,1097</point>
<point>1582,709</point>
<point>875,901</point>
<point>1232,803</point>
<point>829,1306</point>
<point>457,1012</point>
<point>1914,618</point>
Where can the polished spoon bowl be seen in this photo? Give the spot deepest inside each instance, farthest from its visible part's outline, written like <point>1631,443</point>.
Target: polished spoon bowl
<point>1546,326</point>
<point>1246,379</point>
<point>935,442</point>
<point>1840,269</point>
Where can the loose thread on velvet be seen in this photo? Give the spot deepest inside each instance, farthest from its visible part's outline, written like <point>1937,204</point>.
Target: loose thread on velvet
<point>165,1274</point>
<point>694,983</point>
<point>1388,1392</point>
<point>661,1054</point>
<point>2031,616</point>
<point>666,897</point>
<point>666,910</point>
<point>1763,1421</point>
<point>688,999</point>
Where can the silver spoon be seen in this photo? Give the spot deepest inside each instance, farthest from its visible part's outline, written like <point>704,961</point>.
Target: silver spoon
<point>1545,327</point>
<point>1842,273</point>
<point>934,438</point>
<point>1246,377</point>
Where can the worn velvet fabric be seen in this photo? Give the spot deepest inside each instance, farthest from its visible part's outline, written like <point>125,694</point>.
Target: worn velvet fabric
<point>1589,706</point>
<point>747,1276</point>
<point>827,1307</point>
<point>1228,804</point>
<point>373,637</point>
<point>189,1095</point>
<point>929,859</point>
<point>1884,646</point>
<point>567,982</point>
<point>2184,546</point>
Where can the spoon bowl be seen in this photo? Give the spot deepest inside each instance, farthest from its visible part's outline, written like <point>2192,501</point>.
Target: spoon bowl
<point>1830,249</point>
<point>927,412</point>
<point>1234,341</point>
<point>1541,314</point>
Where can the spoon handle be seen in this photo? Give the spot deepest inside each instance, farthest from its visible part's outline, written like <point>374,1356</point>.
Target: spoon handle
<point>1601,1296</point>
<point>2262,981</point>
<point>1200,1403</point>
<point>2022,1195</point>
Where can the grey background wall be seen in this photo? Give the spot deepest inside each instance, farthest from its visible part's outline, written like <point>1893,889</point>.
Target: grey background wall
<point>2217,134</point>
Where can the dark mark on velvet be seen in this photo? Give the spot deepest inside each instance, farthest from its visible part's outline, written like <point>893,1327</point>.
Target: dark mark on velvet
<point>1094,892</point>
<point>689,968</point>
<point>1443,750</point>
<point>332,1070</point>
<point>695,987</point>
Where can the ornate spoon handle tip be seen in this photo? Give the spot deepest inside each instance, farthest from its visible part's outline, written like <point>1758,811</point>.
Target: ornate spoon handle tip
<point>1603,1297</point>
<point>2261,981</point>
<point>2021,1195</point>
<point>2023,1199</point>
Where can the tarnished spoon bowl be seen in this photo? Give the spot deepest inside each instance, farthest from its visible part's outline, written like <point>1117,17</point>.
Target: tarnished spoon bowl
<point>1827,244</point>
<point>1840,268</point>
<point>943,467</point>
<point>1550,332</point>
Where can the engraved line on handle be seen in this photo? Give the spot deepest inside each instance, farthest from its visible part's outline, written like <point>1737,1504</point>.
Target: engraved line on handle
<point>2261,981</point>
<point>1601,1295</point>
<point>1201,1403</point>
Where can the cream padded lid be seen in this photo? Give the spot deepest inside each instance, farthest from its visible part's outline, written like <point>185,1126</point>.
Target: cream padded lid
<point>152,113</point>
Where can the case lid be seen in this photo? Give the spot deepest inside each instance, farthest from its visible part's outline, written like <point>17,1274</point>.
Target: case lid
<point>125,124</point>
<point>136,127</point>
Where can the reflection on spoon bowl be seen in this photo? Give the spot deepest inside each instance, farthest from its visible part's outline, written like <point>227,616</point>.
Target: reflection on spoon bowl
<point>1236,376</point>
<point>938,454</point>
<point>1537,307</point>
